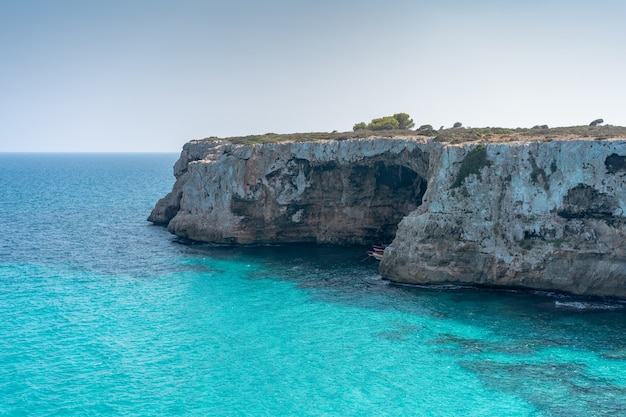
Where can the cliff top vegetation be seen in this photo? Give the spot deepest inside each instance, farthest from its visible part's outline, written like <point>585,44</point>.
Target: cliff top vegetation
<point>451,135</point>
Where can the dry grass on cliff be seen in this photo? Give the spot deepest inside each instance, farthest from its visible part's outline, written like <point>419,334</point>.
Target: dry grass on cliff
<point>543,134</point>
<point>312,136</point>
<point>459,135</point>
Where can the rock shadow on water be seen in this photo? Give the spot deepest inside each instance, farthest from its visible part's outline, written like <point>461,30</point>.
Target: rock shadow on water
<point>455,345</point>
<point>203,268</point>
<point>522,322</point>
<point>339,275</point>
<point>458,346</point>
<point>558,389</point>
<point>399,333</point>
<point>615,355</point>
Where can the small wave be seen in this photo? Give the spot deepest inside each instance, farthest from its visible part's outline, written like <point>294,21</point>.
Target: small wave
<point>375,277</point>
<point>443,287</point>
<point>582,305</point>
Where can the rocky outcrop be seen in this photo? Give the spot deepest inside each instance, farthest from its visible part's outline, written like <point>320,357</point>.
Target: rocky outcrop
<point>169,206</point>
<point>545,215</point>
<point>539,215</point>
<point>337,192</point>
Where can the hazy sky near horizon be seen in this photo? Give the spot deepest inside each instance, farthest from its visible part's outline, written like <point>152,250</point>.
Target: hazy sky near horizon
<point>149,75</point>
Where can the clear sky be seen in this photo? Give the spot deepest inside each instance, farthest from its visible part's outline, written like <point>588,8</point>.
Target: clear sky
<point>149,75</point>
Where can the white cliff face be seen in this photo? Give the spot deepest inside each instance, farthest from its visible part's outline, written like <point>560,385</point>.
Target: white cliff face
<point>169,205</point>
<point>545,215</point>
<point>339,192</point>
<point>540,215</point>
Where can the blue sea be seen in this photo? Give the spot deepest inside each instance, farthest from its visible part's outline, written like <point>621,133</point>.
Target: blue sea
<point>103,313</point>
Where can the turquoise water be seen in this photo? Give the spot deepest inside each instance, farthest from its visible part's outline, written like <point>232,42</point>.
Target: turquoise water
<point>104,314</point>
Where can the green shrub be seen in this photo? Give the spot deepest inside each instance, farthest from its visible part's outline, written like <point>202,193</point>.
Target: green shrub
<point>399,121</point>
<point>426,130</point>
<point>404,121</point>
<point>384,123</point>
<point>359,126</point>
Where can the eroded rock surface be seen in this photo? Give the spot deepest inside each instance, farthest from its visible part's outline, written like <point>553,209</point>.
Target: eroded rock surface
<point>539,215</point>
<point>545,215</point>
<point>338,192</point>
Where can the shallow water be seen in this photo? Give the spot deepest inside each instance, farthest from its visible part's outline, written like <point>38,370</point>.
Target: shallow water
<point>105,314</point>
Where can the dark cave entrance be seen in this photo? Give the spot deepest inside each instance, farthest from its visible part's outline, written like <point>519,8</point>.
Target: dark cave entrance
<point>342,204</point>
<point>363,204</point>
<point>399,190</point>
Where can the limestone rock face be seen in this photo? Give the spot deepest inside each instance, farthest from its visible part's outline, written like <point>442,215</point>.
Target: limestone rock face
<point>338,192</point>
<point>167,207</point>
<point>541,215</point>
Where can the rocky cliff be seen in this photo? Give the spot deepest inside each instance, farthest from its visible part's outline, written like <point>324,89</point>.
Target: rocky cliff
<point>546,215</point>
<point>335,192</point>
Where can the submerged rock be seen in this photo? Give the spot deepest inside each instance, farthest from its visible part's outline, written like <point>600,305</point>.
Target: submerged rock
<point>545,215</point>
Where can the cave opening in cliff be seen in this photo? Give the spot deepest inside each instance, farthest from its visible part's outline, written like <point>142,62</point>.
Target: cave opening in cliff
<point>359,203</point>
<point>399,191</point>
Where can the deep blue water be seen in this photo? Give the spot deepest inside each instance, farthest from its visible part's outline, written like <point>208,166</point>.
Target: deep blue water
<point>102,313</point>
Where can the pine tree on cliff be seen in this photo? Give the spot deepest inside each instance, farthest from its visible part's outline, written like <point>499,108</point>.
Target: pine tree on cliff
<point>404,121</point>
<point>400,121</point>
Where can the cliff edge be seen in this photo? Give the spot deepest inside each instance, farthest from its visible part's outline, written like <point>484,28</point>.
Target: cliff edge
<point>547,215</point>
